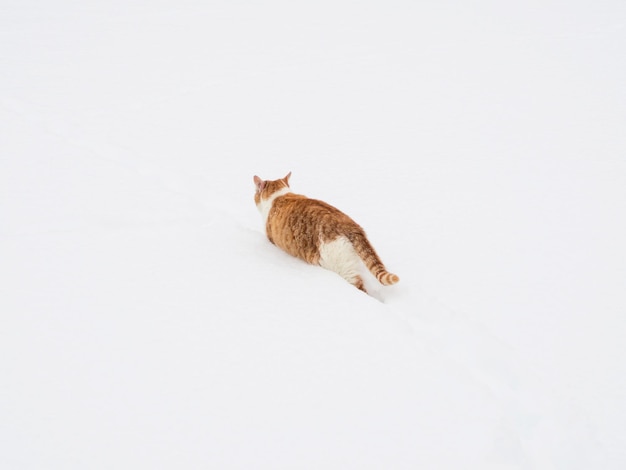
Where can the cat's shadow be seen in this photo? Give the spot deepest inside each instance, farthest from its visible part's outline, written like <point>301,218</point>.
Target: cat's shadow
<point>375,289</point>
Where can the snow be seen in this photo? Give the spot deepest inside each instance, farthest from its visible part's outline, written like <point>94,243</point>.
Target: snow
<point>148,323</point>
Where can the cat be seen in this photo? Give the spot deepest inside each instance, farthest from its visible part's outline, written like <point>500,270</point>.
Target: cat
<point>317,233</point>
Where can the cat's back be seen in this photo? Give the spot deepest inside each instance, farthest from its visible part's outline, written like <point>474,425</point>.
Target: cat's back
<point>298,213</point>
<point>298,206</point>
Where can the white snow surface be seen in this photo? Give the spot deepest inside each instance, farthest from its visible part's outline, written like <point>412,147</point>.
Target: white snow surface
<point>147,322</point>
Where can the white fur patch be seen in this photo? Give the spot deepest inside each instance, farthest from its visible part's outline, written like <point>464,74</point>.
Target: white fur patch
<point>339,256</point>
<point>265,205</point>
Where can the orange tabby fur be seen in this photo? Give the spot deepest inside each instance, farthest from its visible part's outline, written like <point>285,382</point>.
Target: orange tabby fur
<point>317,232</point>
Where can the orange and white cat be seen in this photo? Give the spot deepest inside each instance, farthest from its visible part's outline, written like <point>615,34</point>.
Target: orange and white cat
<point>317,232</point>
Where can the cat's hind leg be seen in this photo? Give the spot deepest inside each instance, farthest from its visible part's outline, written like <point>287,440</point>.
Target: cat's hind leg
<point>359,284</point>
<point>339,256</point>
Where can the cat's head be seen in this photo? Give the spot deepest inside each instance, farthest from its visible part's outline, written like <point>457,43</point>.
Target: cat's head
<point>265,189</point>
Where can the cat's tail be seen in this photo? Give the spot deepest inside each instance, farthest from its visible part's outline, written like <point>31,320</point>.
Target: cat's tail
<point>370,258</point>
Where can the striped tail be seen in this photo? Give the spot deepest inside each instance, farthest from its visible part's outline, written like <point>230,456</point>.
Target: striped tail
<point>370,258</point>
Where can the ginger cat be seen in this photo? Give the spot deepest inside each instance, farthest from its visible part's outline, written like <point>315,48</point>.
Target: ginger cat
<point>317,232</point>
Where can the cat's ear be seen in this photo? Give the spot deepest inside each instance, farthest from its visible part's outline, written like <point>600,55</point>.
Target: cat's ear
<point>286,178</point>
<point>259,183</point>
